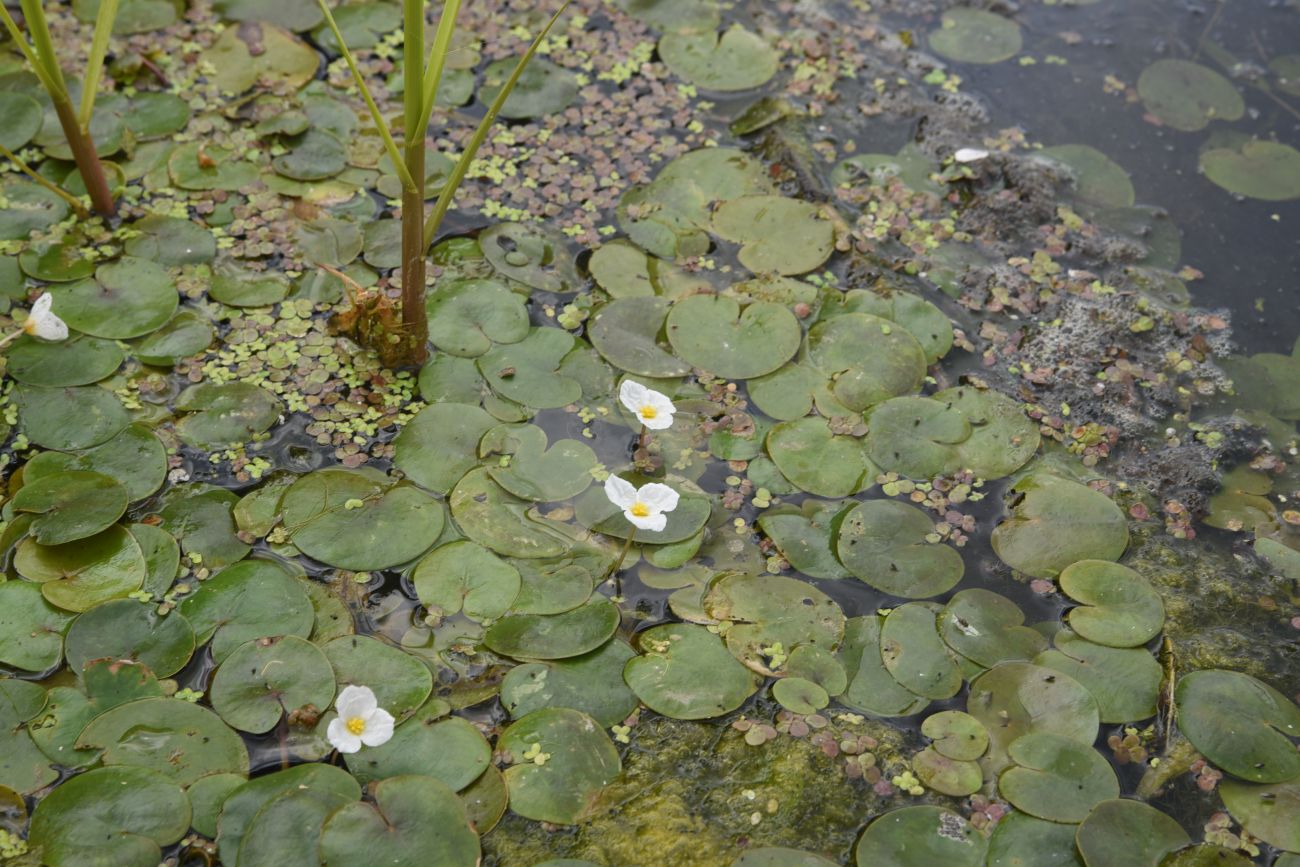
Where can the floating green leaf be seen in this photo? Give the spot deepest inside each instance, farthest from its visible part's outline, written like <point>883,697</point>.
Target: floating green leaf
<point>735,59</point>
<point>987,628</point>
<point>1187,96</point>
<point>263,680</point>
<point>180,740</point>
<point>767,612</point>
<point>1241,725</point>
<point>554,636</point>
<point>817,460</point>
<point>127,298</point>
<point>71,505</point>
<point>917,836</point>
<point>975,36</point>
<point>79,575</point>
<point>884,544</point>
<point>1056,777</point>
<point>1257,169</point>
<point>463,576</point>
<point>564,787</point>
<point>1055,522</point>
<point>253,599</point>
<point>125,629</point>
<point>713,333</point>
<point>414,821</point>
<point>1124,831</point>
<point>591,683</point>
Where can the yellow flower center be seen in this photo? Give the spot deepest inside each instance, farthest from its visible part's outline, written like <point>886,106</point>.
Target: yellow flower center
<point>648,411</point>
<point>641,510</point>
<point>356,725</point>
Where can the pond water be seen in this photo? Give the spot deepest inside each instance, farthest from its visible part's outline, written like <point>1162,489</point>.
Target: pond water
<point>979,326</point>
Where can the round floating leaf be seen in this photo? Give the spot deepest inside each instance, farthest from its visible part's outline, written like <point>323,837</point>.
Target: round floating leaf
<point>987,628</point>
<point>258,53</point>
<point>883,543</point>
<point>262,680</point>
<point>868,359</point>
<point>20,119</point>
<point>1055,522</point>
<point>467,317</point>
<point>1265,170</point>
<point>286,832</point>
<point>253,599</point>
<point>591,683</point>
<point>110,817</point>
<point>243,804</point>
<point>1267,812</point>
<point>735,59</point>
<point>438,445</point>
<point>496,519</point>
<point>800,696</point>
<point>180,740</point>
<point>315,155</point>
<point>1243,726</point>
<point>787,393</point>
<point>711,332</point>
<point>530,470</point>
<point>359,519</point>
<point>871,687</point>
<point>819,461</point>
<point>767,610</point>
<point>107,683</point>
<point>1017,698</point>
<point>414,821</point>
<point>1125,681</point>
<point>196,167</point>
<point>222,415</point>
<point>486,799</point>
<point>171,241</point>
<point>554,636</point>
<point>916,437</point>
<point>136,458</point>
<point>945,775</point>
<point>1098,179</point>
<point>1002,438</point>
<point>430,743</point>
<point>915,655</point>
<point>803,536</point>
<point>71,505</point>
<point>79,575</point>
<point>531,253</point>
<point>542,89</point>
<point>201,521</point>
<point>206,797</point>
<point>777,234</point>
<point>911,165</point>
<point>563,788</point>
<point>24,768</point>
<point>361,23</point>
<point>401,682</point>
<point>29,208</point>
<point>629,334</point>
<point>1056,777</point>
<point>1020,840</point>
<point>185,335</point>
<point>31,630</point>
<point>239,288</point>
<point>125,629</point>
<point>57,263</point>
<point>917,836</point>
<point>528,372</point>
<point>1127,832</point>
<point>463,576</point>
<point>1187,96</point>
<point>127,298</point>
<point>956,735</point>
<point>975,36</point>
<point>70,418</point>
<point>777,856</point>
<point>685,672</point>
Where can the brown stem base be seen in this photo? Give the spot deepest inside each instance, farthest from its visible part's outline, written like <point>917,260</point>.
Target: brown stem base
<point>87,160</point>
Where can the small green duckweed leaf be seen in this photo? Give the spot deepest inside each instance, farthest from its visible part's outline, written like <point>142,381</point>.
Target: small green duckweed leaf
<point>1257,169</point>
<point>1127,832</point>
<point>883,543</point>
<point>1125,681</point>
<point>1056,777</point>
<point>565,787</point>
<point>591,683</point>
<point>975,36</point>
<point>819,461</point>
<point>1242,725</point>
<point>919,836</point>
<point>735,59</point>
<point>713,333</point>
<point>395,523</point>
<point>467,317</point>
<point>401,682</point>
<point>685,672</point>
<point>778,235</point>
<point>768,611</point>
<point>463,576</point>
<point>555,636</point>
<point>79,575</point>
<point>1268,812</point>
<point>1055,522</point>
<point>915,655</point>
<point>125,629</point>
<point>264,679</point>
<point>988,628</point>
<point>1187,96</point>
<point>250,600</point>
<point>180,740</point>
<point>127,298</point>
<point>71,505</point>
<point>535,472</point>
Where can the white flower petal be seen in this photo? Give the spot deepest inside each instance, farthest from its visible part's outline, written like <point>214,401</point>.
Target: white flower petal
<point>379,728</point>
<point>621,493</point>
<point>43,305</point>
<point>660,498</point>
<point>356,701</point>
<point>340,738</point>
<point>633,395</point>
<point>970,155</point>
<point>50,327</point>
<point>655,521</point>
<point>663,411</point>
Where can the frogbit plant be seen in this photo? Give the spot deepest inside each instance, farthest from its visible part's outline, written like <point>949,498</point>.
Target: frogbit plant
<point>361,721</point>
<point>74,120</point>
<point>419,93</point>
<point>652,408</point>
<point>41,322</point>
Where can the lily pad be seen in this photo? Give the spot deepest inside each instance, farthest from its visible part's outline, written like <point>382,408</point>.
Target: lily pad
<point>262,54</point>
<point>1124,831</point>
<point>1187,96</point>
<point>1267,812</point>
<point>171,241</point>
<point>1119,607</point>
<point>463,576</point>
<point>1056,777</point>
<point>1018,698</point>
<point>975,36</point>
<point>563,788</point>
<point>28,208</point>
<point>184,335</point>
<point>31,630</point>
<point>360,519</point>
<point>871,687</point>
<point>1002,438</point>
<point>263,680</point>
<point>916,437</point>
<point>180,740</point>
<point>819,461</point>
<point>449,749</point>
<point>916,836</point>
<point>735,59</point>
<point>685,672</point>
<point>531,471</point>
<point>286,831</point>
<point>20,118</point>
<point>250,600</point>
<point>595,511</point>
<point>1055,522</point>
<point>591,683</point>
<point>915,655</point>
<point>1098,179</point>
<point>1125,681</point>
<point>127,298</point>
<point>70,418</point>
<point>883,543</point>
<point>543,88</point>
<point>121,817</point>
<point>713,333</point>
<point>956,735</point>
<point>498,520</point>
<point>767,611</point>
<point>440,444</point>
<point>79,575</point>
<point>777,234</point>
<point>1021,840</point>
<point>414,821</point>
<point>803,536</point>
<point>467,317</point>
<point>201,520</point>
<point>125,629</point>
<point>1243,726</point>
<point>71,505</point>
<point>868,359</point>
<point>629,334</point>
<point>945,775</point>
<point>401,682</point>
<point>528,372</point>
<point>239,288</point>
<point>197,167</point>
<point>531,253</point>
<point>225,414</point>
<point>57,263</point>
<point>779,856</point>
<point>988,628</point>
<point>1257,169</point>
<point>243,803</point>
<point>135,458</point>
<point>555,636</point>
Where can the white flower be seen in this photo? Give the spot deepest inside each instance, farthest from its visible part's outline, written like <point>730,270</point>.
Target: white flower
<point>645,508</point>
<point>653,409</point>
<point>970,155</point>
<point>361,721</point>
<point>43,323</point>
